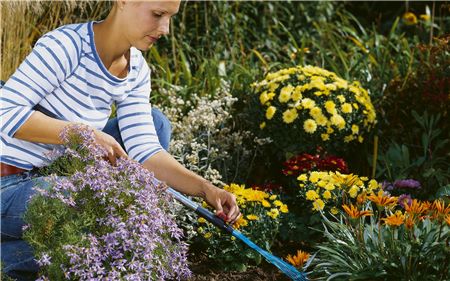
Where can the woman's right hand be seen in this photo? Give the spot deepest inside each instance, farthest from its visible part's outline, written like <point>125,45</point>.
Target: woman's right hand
<point>112,147</point>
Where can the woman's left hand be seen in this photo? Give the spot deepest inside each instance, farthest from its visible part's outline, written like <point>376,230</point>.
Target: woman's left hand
<point>223,202</point>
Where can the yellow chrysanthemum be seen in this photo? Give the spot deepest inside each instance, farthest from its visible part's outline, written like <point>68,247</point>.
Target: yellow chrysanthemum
<point>318,205</point>
<point>330,107</point>
<point>325,137</point>
<point>273,197</point>
<point>201,220</point>
<point>262,125</point>
<point>302,177</point>
<point>308,103</point>
<point>310,126</point>
<point>314,177</point>
<point>263,98</point>
<point>207,235</point>
<point>338,121</point>
<point>334,211</point>
<point>315,111</point>
<point>312,195</point>
<point>346,108</point>
<point>290,115</point>
<point>277,203</point>
<point>353,191</point>
<point>355,129</point>
<point>252,217</point>
<point>409,18</point>
<point>284,208</point>
<point>270,112</point>
<point>266,204</point>
<point>273,213</point>
<point>326,194</point>
<point>285,94</point>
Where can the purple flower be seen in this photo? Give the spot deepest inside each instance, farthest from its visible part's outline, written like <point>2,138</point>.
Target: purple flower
<point>387,186</point>
<point>404,199</point>
<point>44,260</point>
<point>407,184</point>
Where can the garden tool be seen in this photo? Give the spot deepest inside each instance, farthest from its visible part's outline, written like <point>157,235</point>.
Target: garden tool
<point>286,268</point>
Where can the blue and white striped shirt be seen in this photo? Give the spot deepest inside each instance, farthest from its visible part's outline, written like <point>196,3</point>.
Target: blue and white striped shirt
<point>65,75</point>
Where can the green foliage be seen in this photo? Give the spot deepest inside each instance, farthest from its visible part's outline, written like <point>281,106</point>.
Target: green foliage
<point>368,250</point>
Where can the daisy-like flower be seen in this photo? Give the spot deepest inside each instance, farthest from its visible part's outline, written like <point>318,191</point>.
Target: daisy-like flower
<point>270,112</point>
<point>383,201</point>
<point>290,115</point>
<point>299,259</point>
<point>354,213</point>
<point>396,219</point>
<point>310,126</point>
<point>416,208</point>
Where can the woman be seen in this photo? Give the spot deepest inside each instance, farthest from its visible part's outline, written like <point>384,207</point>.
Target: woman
<point>74,74</point>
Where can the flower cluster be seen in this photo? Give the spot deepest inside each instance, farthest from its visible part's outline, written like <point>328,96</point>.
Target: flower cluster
<point>329,189</point>
<point>261,214</point>
<point>105,222</point>
<point>315,105</point>
<point>306,162</point>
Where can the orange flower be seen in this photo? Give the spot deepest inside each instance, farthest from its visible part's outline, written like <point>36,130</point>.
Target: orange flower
<point>240,222</point>
<point>409,222</point>
<point>409,18</point>
<point>416,208</point>
<point>354,213</point>
<point>396,219</point>
<point>383,201</point>
<point>299,259</point>
<point>440,207</point>
<point>447,219</point>
<point>361,198</point>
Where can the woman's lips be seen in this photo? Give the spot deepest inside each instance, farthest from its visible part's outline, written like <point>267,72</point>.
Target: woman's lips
<point>151,39</point>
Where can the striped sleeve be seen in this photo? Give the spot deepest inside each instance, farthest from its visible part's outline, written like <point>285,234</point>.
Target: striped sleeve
<point>53,58</point>
<point>136,122</point>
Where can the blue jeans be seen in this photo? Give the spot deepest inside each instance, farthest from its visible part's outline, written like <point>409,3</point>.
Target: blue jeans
<point>16,255</point>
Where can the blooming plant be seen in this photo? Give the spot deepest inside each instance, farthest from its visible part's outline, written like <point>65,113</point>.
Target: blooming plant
<point>328,190</point>
<point>102,221</point>
<point>376,239</point>
<point>306,162</point>
<point>304,105</point>
<point>261,213</point>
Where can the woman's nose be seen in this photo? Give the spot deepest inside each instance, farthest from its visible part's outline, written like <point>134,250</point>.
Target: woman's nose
<point>164,27</point>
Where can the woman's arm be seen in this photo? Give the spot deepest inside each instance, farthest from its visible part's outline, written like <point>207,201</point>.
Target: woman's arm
<point>167,169</point>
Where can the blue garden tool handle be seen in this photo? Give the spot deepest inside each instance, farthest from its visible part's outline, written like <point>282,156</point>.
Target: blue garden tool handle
<point>203,212</point>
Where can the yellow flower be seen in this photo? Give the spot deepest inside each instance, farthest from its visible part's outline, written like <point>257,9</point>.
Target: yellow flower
<point>327,194</point>
<point>424,17</point>
<point>409,18</point>
<point>290,115</point>
<point>308,103</point>
<point>265,203</point>
<point>396,219</point>
<point>285,94</point>
<point>338,121</point>
<point>314,177</point>
<point>240,222</point>
<point>318,205</point>
<point>207,235</point>
<point>201,220</point>
<point>353,191</point>
<point>310,126</point>
<point>346,108</point>
<point>321,120</point>
<point>262,125</point>
<point>315,111</point>
<point>273,197</point>
<point>273,213</point>
<point>284,208</point>
<point>372,185</point>
<point>297,94</point>
<point>330,107</point>
<point>252,217</point>
<point>270,112</point>
<point>302,177</point>
<point>299,259</point>
<point>263,98</point>
<point>277,203</point>
<point>325,137</point>
<point>334,210</point>
<point>355,129</point>
<point>312,195</point>
<point>341,98</point>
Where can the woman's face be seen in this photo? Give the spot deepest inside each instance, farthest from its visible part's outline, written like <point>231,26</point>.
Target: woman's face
<point>145,21</point>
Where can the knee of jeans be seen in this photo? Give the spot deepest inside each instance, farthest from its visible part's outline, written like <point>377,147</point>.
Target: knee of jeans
<point>162,126</point>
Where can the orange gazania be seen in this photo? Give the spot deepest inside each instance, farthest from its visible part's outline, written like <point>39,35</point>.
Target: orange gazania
<point>396,219</point>
<point>447,219</point>
<point>416,207</point>
<point>440,207</point>
<point>354,213</point>
<point>299,259</point>
<point>383,201</point>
